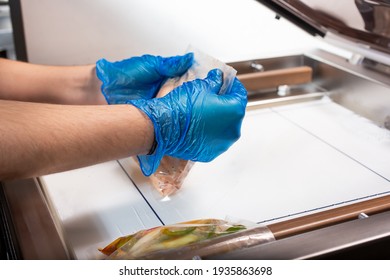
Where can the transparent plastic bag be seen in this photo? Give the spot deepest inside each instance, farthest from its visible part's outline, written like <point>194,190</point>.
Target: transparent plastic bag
<point>171,173</point>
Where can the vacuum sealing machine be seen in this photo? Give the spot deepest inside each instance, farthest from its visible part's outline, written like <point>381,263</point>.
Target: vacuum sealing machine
<point>311,166</point>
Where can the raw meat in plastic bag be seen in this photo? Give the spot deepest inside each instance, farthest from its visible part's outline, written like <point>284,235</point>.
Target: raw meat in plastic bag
<point>170,174</point>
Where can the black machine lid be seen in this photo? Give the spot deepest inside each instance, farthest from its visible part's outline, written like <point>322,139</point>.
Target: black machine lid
<point>363,21</point>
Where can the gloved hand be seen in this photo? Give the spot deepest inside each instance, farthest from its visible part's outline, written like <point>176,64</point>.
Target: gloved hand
<point>138,77</point>
<point>193,122</point>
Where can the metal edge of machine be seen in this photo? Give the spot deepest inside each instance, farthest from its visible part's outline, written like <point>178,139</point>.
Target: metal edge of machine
<point>364,238</point>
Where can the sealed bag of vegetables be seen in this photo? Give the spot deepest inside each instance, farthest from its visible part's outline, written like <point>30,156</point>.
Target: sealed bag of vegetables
<point>183,240</point>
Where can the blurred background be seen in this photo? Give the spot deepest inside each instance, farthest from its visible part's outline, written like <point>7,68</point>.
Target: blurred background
<point>6,39</point>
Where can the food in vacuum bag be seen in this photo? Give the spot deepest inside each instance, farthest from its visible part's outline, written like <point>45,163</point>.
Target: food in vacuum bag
<point>171,173</point>
<point>164,238</point>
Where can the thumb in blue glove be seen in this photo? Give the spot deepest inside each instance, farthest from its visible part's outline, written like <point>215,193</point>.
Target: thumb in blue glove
<point>193,122</point>
<point>138,77</point>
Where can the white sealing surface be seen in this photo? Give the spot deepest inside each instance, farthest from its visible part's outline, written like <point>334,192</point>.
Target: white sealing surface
<point>290,161</point>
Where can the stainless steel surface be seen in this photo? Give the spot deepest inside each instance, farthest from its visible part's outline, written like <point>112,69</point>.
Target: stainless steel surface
<point>376,66</point>
<point>356,87</point>
<point>284,90</point>
<point>257,67</point>
<point>9,247</point>
<point>37,234</point>
<point>321,242</point>
<point>283,100</point>
<point>6,35</point>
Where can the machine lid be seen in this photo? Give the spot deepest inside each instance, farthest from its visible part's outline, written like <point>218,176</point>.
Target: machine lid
<point>366,22</point>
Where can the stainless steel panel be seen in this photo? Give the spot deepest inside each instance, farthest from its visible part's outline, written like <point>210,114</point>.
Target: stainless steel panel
<point>354,86</point>
<point>36,232</point>
<point>321,242</point>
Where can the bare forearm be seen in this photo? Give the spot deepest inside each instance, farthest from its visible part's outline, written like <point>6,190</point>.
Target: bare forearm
<point>52,84</point>
<point>38,139</point>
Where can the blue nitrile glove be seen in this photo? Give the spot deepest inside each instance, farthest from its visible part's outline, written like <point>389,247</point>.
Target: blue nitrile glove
<point>193,122</point>
<point>138,77</point>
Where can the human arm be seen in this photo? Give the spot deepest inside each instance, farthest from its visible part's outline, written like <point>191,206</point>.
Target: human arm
<point>192,122</point>
<point>52,84</point>
<point>39,139</point>
<point>132,78</point>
